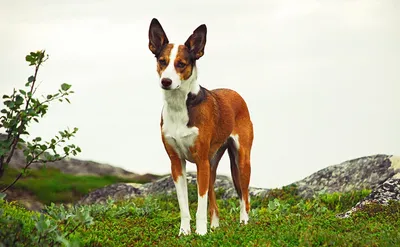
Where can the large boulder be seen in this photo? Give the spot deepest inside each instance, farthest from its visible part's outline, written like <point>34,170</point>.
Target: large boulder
<point>385,192</point>
<point>362,173</point>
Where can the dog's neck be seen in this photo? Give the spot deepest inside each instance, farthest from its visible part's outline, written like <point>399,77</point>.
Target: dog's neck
<point>176,99</point>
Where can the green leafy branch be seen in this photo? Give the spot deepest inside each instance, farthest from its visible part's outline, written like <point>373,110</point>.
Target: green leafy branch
<point>21,108</point>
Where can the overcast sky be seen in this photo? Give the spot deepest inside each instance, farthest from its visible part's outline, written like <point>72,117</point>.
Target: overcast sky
<point>321,78</point>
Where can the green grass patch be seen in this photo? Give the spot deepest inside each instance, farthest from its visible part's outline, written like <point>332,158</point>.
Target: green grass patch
<point>51,185</point>
<point>282,219</point>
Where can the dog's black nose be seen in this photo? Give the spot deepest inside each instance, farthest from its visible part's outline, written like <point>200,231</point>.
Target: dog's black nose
<point>166,82</point>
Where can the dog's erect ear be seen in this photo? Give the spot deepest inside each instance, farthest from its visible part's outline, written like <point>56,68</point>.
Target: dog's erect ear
<point>157,37</point>
<point>197,41</point>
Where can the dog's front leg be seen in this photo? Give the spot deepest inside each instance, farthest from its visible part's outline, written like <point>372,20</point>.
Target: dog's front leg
<point>178,169</point>
<point>203,178</point>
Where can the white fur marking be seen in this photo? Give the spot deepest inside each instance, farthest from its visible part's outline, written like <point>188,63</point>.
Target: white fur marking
<point>235,138</point>
<point>244,217</point>
<point>201,215</point>
<point>175,115</point>
<point>177,134</point>
<point>181,191</point>
<point>170,71</point>
<point>214,221</point>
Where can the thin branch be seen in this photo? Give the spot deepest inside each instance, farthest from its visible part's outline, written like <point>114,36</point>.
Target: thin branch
<point>29,163</point>
<point>10,185</point>
<point>2,157</point>
<point>46,161</point>
<point>34,91</point>
<point>20,174</point>
<point>76,227</point>
<point>16,139</point>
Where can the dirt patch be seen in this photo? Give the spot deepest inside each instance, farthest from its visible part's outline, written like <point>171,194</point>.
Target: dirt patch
<point>25,198</point>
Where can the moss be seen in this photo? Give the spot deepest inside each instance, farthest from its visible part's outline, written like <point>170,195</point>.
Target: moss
<point>282,219</point>
<point>51,185</point>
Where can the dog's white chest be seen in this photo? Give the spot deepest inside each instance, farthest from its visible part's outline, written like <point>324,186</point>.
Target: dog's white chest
<point>176,132</point>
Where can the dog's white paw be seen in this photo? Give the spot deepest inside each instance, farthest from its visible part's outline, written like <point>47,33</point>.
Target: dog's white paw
<point>214,222</point>
<point>184,232</point>
<point>185,228</point>
<point>201,227</point>
<point>244,218</point>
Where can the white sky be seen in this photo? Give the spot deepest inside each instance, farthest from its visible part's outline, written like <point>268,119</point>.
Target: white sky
<point>321,78</point>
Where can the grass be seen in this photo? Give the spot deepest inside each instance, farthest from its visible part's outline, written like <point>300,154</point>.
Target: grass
<point>281,219</point>
<point>51,185</point>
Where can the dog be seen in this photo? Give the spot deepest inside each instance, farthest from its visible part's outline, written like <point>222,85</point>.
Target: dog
<point>199,125</point>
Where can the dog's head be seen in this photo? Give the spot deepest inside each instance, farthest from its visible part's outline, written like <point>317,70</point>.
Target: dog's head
<point>175,63</point>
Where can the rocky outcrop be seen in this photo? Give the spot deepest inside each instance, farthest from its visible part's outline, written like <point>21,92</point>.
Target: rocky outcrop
<point>388,191</point>
<point>223,183</point>
<point>357,174</point>
<point>117,192</point>
<point>80,167</point>
<point>163,185</point>
<point>380,173</point>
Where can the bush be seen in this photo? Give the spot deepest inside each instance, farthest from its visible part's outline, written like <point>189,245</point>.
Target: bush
<point>21,108</point>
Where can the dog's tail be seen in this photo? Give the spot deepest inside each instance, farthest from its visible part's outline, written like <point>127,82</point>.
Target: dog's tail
<point>233,156</point>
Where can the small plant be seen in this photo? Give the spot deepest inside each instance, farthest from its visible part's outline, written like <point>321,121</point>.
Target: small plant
<point>21,108</point>
<point>52,228</point>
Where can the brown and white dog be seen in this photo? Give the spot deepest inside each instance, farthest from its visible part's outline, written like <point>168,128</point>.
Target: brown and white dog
<point>198,125</point>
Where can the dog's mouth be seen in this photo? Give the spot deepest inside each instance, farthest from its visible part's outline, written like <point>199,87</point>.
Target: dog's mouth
<point>169,87</point>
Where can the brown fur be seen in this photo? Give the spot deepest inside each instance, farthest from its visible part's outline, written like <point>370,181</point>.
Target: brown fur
<point>164,56</point>
<point>183,57</point>
<point>222,112</point>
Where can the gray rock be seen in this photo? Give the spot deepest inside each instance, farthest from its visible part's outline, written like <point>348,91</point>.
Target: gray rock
<point>388,191</point>
<point>117,192</point>
<point>166,185</point>
<point>163,185</point>
<point>357,174</point>
<point>380,173</point>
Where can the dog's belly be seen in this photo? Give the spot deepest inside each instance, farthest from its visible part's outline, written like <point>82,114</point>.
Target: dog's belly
<point>181,138</point>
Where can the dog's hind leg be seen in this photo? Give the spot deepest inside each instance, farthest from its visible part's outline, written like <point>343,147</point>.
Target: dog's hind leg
<point>213,207</point>
<point>239,152</point>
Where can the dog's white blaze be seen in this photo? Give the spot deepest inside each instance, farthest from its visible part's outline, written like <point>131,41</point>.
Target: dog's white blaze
<point>175,116</point>
<point>170,71</point>
<point>181,191</point>
<point>201,214</point>
<point>244,217</point>
<point>214,221</point>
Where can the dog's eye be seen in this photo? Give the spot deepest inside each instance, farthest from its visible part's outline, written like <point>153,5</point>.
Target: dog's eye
<point>181,65</point>
<point>162,62</point>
